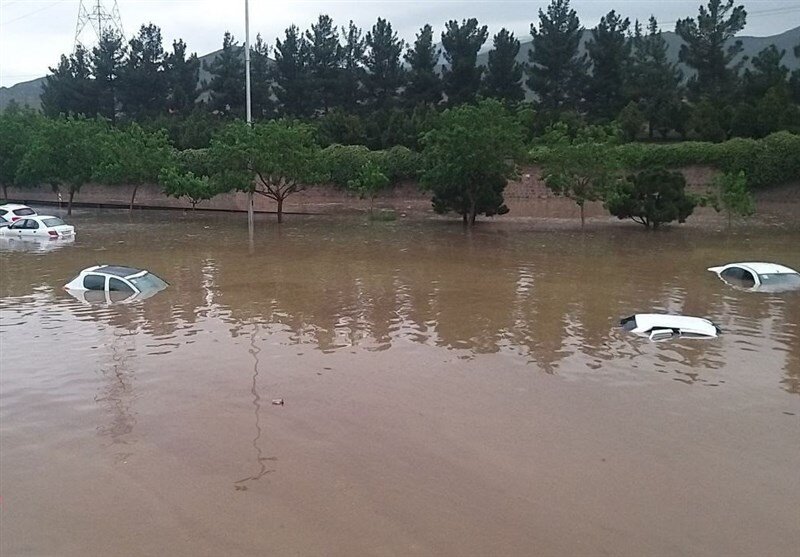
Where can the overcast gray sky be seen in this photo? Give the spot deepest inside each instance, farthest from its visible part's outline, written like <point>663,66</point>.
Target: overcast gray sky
<point>34,33</point>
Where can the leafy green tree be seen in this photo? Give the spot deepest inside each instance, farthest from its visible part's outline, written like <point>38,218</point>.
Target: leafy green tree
<point>292,74</point>
<point>182,75</point>
<point>70,89</point>
<point>767,72</point>
<point>462,77</point>
<point>17,128</point>
<point>556,69</point>
<point>775,110</point>
<point>651,198</point>
<point>654,81</point>
<point>341,163</point>
<point>731,194</point>
<point>469,157</point>
<point>369,182</point>
<point>227,85</point>
<point>631,120</point>
<point>609,52</point>
<point>63,152</point>
<point>187,185</point>
<point>107,60</point>
<point>340,126</point>
<point>131,156</point>
<point>260,88</point>
<point>503,79</point>
<point>424,85</point>
<point>275,159</point>
<point>384,65</point>
<point>324,54</point>
<point>353,75</point>
<point>582,171</point>
<point>709,48</point>
<point>143,83</point>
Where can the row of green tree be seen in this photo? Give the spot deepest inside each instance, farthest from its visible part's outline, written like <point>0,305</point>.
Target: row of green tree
<point>467,158</point>
<point>374,89</point>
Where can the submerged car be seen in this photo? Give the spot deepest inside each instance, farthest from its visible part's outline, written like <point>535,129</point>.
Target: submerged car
<point>664,326</point>
<point>764,277</point>
<point>13,211</point>
<point>123,283</point>
<point>44,226</point>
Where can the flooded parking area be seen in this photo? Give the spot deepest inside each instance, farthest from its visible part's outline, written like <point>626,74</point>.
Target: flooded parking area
<point>445,392</point>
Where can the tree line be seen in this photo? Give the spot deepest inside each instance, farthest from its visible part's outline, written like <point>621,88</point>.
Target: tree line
<point>372,88</point>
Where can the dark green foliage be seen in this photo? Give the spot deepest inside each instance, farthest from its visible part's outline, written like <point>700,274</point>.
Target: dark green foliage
<point>709,48</point>
<point>651,198</point>
<point>226,87</point>
<point>767,72</point>
<point>503,79</point>
<point>340,126</point>
<point>324,54</point>
<point>731,194</point>
<point>424,85</point>
<point>384,66</point>
<point>654,82</point>
<point>795,79</point>
<point>556,70</point>
<point>187,185</point>
<point>107,59</point>
<point>710,120</point>
<point>292,74</point>
<point>631,120</point>
<point>398,163</point>
<point>17,129</point>
<point>143,83</point>
<point>342,162</point>
<point>188,131</point>
<point>462,77</point>
<point>182,78</point>
<point>368,182</point>
<point>260,89</point>
<point>469,157</point>
<point>609,52</point>
<point>70,89</point>
<point>352,75</point>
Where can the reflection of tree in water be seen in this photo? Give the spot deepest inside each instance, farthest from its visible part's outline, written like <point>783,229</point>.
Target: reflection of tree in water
<point>241,485</point>
<point>116,395</point>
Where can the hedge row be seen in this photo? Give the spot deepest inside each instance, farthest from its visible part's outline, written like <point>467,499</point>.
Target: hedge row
<point>770,161</point>
<point>343,162</point>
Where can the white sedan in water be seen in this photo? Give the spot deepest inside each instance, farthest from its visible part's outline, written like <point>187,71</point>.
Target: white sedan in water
<point>764,277</point>
<point>114,283</point>
<point>40,226</point>
<point>13,211</point>
<point>663,326</point>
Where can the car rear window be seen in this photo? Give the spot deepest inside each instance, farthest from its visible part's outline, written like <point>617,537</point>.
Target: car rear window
<point>55,221</point>
<point>24,212</point>
<point>147,282</point>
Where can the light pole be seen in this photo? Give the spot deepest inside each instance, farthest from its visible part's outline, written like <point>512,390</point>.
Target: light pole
<point>247,104</point>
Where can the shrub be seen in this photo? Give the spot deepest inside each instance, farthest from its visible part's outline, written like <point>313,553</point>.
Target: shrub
<point>652,197</point>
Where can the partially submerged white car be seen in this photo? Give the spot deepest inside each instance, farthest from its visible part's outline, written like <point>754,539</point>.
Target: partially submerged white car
<point>114,283</point>
<point>764,277</point>
<point>664,326</point>
<point>40,226</point>
<point>14,211</point>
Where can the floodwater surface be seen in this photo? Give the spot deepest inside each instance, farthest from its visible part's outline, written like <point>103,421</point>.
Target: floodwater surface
<point>445,392</point>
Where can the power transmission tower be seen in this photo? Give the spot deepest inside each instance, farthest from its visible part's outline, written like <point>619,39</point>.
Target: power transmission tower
<point>101,20</point>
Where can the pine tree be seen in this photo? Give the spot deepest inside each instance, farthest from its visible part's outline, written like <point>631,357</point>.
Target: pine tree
<point>323,62</point>
<point>767,71</point>
<point>70,89</point>
<point>556,70</point>
<point>143,82</point>
<point>292,80</point>
<point>609,52</point>
<point>384,67</point>
<point>107,58</point>
<point>352,76</point>
<point>794,82</point>
<point>653,81</point>
<point>503,79</point>
<point>182,76</point>
<point>260,89</point>
<point>424,85</point>
<point>227,79</point>
<point>461,43</point>
<point>707,49</point>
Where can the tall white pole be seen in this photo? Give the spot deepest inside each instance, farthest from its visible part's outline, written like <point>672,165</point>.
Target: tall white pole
<point>249,110</point>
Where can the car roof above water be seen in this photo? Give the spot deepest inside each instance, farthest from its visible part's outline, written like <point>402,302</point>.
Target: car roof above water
<point>764,268</point>
<point>116,270</point>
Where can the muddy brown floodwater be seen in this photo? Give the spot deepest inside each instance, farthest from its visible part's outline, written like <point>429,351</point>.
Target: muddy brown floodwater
<point>446,393</point>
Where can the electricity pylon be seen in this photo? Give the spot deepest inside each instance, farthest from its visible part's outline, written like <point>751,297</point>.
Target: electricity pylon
<point>101,20</point>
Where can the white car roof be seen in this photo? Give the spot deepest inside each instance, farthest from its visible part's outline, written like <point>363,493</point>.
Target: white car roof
<point>758,267</point>
<point>686,324</point>
<point>13,207</point>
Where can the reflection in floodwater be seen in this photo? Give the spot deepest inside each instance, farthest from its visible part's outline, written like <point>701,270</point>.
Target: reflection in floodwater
<point>116,393</point>
<point>34,245</point>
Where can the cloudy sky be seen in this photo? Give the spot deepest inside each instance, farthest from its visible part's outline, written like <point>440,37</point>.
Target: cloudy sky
<point>33,33</point>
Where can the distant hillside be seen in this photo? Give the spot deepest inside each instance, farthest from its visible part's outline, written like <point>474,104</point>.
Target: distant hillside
<point>28,92</point>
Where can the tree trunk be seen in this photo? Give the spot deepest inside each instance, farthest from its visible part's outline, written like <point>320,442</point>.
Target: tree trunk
<point>5,191</point>
<point>250,212</point>
<point>280,210</point>
<point>464,217</point>
<point>69,204</point>
<point>133,197</point>
<point>583,218</point>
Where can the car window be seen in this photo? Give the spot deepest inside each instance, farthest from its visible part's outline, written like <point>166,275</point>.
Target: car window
<point>26,212</point>
<point>32,224</point>
<point>147,282</point>
<point>116,285</point>
<point>19,224</point>
<point>739,276</point>
<point>55,221</point>
<point>3,212</point>
<point>94,282</point>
